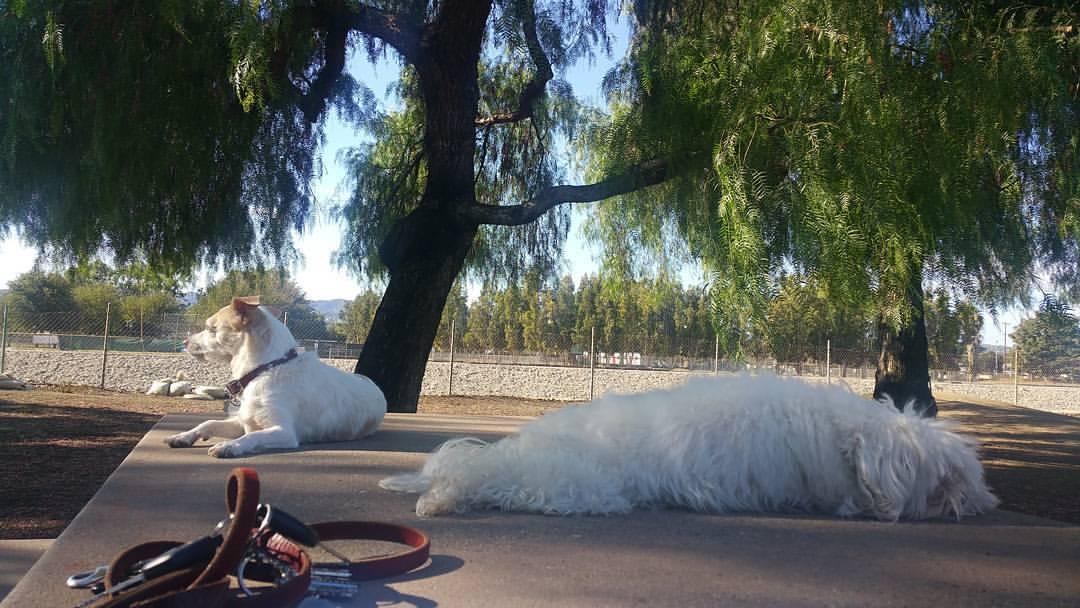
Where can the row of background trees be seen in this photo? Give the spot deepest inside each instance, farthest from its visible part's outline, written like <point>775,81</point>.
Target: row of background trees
<point>553,316</point>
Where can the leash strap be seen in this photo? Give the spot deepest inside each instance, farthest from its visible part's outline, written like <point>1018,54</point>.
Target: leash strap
<point>383,566</point>
<point>209,586</point>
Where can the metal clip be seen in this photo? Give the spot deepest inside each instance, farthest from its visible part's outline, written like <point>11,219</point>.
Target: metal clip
<point>87,579</point>
<point>258,555</point>
<point>230,406</point>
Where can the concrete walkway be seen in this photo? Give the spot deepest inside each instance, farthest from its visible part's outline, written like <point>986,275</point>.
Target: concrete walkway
<point>16,557</point>
<point>660,558</point>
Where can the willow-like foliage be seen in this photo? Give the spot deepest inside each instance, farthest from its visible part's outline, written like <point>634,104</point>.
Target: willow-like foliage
<point>513,160</point>
<point>183,133</point>
<point>135,131</point>
<point>866,143</point>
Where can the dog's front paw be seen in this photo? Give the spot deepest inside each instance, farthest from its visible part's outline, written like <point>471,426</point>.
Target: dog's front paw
<point>225,449</point>
<point>181,440</point>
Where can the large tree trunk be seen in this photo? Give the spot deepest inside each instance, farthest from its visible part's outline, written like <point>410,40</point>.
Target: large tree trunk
<point>903,369</point>
<point>425,251</point>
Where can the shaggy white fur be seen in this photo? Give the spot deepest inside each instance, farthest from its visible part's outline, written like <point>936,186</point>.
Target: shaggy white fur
<point>745,443</point>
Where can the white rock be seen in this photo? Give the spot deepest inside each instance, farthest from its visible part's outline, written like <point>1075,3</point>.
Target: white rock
<point>214,392</point>
<point>198,397</point>
<point>180,387</point>
<point>160,387</point>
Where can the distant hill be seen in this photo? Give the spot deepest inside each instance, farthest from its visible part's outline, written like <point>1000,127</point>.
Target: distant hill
<point>329,309</point>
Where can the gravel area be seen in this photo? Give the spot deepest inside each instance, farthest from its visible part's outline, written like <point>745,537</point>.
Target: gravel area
<point>135,371</point>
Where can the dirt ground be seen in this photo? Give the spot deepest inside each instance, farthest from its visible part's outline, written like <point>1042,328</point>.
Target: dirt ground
<point>59,444</point>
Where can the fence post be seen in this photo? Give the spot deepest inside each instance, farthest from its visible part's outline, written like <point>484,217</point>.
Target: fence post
<point>828,361</point>
<point>105,343</point>
<point>1016,376</point>
<point>3,342</point>
<point>450,380</point>
<point>716,357</point>
<point>592,363</point>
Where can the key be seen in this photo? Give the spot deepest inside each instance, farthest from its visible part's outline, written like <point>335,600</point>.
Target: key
<point>322,588</point>
<point>290,527</point>
<point>196,552</point>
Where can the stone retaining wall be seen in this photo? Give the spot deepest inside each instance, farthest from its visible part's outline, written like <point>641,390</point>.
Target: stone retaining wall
<point>135,372</point>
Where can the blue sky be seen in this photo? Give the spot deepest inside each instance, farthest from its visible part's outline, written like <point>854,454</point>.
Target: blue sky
<point>321,280</point>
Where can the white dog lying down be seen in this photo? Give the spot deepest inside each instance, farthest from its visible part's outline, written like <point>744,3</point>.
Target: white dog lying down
<point>746,443</point>
<point>292,398</point>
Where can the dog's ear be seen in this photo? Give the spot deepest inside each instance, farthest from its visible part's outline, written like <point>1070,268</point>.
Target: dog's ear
<point>245,307</point>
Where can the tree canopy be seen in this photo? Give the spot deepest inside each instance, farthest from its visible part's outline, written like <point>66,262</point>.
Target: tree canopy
<point>275,290</point>
<point>870,144</point>
<point>953,330</point>
<point>76,301</point>
<point>1049,342</point>
<point>125,131</point>
<point>876,146</point>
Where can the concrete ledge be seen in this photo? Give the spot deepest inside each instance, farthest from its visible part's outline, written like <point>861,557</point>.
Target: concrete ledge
<point>658,558</point>
<point>16,557</point>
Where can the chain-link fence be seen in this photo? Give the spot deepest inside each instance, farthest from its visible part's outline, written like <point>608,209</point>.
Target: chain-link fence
<point>108,331</point>
<point>138,332</point>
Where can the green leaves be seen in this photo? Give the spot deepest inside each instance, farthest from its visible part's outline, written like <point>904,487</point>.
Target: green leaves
<point>52,41</point>
<point>1049,343</point>
<point>125,135</point>
<point>863,144</point>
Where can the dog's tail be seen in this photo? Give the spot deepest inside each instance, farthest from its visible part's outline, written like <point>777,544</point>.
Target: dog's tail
<point>445,456</point>
<point>413,483</point>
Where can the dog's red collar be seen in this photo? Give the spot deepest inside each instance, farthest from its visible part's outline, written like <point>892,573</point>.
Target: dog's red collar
<point>235,387</point>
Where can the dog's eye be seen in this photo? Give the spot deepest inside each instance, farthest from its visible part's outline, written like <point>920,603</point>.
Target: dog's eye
<point>210,329</point>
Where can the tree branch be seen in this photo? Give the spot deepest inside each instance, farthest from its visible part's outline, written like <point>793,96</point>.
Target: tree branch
<point>400,32</point>
<point>313,103</point>
<point>534,90</point>
<point>646,174</point>
<point>338,19</point>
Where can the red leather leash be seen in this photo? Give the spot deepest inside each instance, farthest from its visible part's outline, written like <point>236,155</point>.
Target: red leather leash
<point>382,566</point>
<point>209,586</point>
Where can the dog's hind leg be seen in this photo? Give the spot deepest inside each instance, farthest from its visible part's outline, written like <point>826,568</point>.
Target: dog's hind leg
<point>228,429</point>
<point>274,437</point>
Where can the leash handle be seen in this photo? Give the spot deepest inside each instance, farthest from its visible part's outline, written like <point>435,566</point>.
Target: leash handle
<point>242,499</point>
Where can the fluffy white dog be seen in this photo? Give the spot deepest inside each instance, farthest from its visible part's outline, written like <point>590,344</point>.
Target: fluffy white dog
<point>286,398</point>
<point>746,443</point>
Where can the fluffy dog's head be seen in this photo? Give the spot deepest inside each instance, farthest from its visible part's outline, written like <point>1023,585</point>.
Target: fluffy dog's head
<point>226,331</point>
<point>911,467</point>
